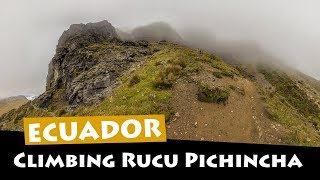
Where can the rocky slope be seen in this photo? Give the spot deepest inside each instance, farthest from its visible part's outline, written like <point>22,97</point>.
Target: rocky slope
<point>95,73</point>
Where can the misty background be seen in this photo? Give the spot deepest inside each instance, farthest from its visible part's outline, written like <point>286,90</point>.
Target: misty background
<point>288,29</point>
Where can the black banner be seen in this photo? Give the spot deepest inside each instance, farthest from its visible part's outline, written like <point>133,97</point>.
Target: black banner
<point>171,154</point>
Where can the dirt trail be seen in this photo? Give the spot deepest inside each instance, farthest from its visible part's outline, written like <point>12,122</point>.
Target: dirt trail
<point>242,119</point>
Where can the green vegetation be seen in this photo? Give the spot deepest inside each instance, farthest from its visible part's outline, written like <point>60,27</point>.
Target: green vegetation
<point>178,62</point>
<point>301,131</point>
<point>167,76</point>
<point>134,80</point>
<point>61,112</point>
<point>56,101</point>
<point>217,74</point>
<point>212,95</point>
<point>292,93</point>
<point>25,111</point>
<point>215,62</point>
<point>225,69</point>
<point>290,106</point>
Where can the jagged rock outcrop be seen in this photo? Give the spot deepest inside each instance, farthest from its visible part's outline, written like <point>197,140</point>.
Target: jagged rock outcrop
<point>83,75</point>
<point>77,36</point>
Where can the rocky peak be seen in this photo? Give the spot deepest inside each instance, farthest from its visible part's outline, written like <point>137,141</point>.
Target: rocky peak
<point>82,34</point>
<point>86,66</point>
<point>77,36</point>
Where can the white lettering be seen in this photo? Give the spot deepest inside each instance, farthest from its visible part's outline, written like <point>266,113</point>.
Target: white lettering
<point>104,127</point>
<point>33,133</point>
<point>294,162</point>
<point>282,160</point>
<point>155,161</point>
<point>210,163</point>
<point>63,131</point>
<point>107,161</point>
<point>254,161</point>
<point>88,131</point>
<point>146,163</point>
<point>96,161</point>
<point>71,161</point>
<point>128,158</point>
<point>137,128</point>
<point>17,161</point>
<point>46,133</point>
<point>54,162</point>
<point>167,162</point>
<point>190,159</point>
<point>224,160</point>
<point>152,125</point>
<point>262,161</point>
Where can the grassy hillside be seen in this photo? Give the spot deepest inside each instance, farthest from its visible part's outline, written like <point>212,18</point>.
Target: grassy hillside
<point>290,105</point>
<point>148,89</point>
<point>11,103</point>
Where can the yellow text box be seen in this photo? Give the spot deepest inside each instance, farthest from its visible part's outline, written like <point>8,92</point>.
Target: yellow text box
<point>95,129</point>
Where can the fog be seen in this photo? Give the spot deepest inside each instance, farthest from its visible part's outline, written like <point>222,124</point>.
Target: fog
<point>288,29</point>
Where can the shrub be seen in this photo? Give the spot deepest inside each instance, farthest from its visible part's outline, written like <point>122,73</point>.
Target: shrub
<point>217,74</point>
<point>134,80</point>
<point>193,68</point>
<point>167,76</point>
<point>225,69</point>
<point>61,112</point>
<point>213,95</point>
<point>228,74</point>
<point>178,61</point>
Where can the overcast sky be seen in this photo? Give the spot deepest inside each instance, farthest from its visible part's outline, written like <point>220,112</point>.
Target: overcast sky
<point>30,29</point>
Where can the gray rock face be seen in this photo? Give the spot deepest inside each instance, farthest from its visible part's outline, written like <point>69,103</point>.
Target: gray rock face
<point>86,74</point>
<point>77,36</point>
<point>81,34</point>
<point>92,86</point>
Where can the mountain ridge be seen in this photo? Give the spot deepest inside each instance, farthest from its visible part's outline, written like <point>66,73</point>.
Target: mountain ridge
<point>7,104</point>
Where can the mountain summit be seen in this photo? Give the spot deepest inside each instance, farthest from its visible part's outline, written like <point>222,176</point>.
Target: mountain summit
<point>81,34</point>
<point>87,65</point>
